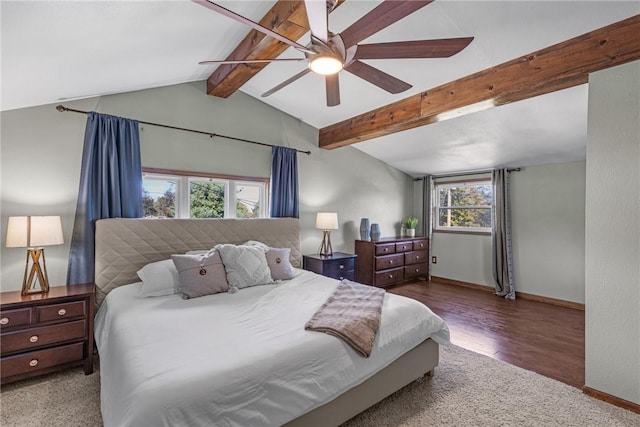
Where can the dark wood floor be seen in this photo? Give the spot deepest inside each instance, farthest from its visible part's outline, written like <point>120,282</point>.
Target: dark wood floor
<point>532,335</point>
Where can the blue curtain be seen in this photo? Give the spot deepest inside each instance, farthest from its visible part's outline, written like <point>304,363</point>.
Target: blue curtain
<point>284,183</point>
<point>110,186</point>
<point>501,235</point>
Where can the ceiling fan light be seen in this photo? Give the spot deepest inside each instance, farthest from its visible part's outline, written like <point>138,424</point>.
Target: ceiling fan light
<point>325,64</point>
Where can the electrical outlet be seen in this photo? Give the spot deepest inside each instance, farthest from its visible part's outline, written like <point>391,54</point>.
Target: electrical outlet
<point>434,260</point>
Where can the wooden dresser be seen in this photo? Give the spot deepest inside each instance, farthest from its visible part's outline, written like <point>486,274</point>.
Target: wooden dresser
<point>391,260</point>
<point>43,333</point>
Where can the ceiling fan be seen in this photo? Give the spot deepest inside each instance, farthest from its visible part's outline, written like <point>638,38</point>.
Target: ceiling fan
<point>328,53</point>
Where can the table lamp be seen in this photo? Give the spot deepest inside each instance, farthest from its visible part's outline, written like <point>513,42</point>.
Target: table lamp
<point>33,232</point>
<point>326,221</point>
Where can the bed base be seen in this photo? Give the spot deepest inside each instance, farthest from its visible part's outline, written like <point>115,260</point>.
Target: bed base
<point>416,363</point>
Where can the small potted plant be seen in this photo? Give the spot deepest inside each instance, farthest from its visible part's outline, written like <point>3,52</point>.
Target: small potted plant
<point>410,226</point>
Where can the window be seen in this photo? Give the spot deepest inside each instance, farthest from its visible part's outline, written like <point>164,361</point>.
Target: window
<point>186,195</point>
<point>463,206</point>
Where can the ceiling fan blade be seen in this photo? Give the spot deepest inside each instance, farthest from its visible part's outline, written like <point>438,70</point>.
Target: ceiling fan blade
<point>380,17</point>
<point>379,78</point>
<point>286,82</point>
<point>440,48</point>
<point>333,90</point>
<point>250,61</point>
<point>226,12</point>
<point>317,17</point>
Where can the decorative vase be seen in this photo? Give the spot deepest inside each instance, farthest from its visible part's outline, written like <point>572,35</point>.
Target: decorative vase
<point>375,232</point>
<point>365,225</point>
<point>410,232</point>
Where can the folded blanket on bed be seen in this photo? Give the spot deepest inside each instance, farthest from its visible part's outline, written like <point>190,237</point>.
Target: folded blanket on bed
<point>351,313</point>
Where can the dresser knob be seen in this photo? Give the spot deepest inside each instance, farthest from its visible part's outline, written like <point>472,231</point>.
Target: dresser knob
<point>386,249</point>
<point>341,267</point>
<point>417,256</point>
<point>390,261</point>
<point>341,277</point>
<point>417,270</point>
<point>33,338</point>
<point>62,312</point>
<point>33,362</point>
<point>4,321</point>
<point>391,276</point>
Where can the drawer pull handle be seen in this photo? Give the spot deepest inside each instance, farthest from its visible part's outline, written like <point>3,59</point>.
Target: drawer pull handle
<point>341,267</point>
<point>391,276</point>
<point>417,256</point>
<point>62,312</point>
<point>4,321</point>
<point>34,338</point>
<point>386,249</point>
<point>390,261</point>
<point>417,270</point>
<point>341,277</point>
<point>33,362</point>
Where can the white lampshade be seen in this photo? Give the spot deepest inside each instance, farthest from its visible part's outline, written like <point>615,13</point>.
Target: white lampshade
<point>34,231</point>
<point>327,221</point>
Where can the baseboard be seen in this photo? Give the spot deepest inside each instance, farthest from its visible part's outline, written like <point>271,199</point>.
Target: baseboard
<point>522,295</point>
<point>606,397</point>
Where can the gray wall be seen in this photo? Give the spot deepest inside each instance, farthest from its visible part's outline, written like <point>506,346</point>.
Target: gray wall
<point>548,236</point>
<point>613,233</point>
<point>41,154</point>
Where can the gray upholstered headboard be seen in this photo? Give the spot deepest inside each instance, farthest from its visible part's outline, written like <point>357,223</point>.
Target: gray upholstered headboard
<point>124,246</point>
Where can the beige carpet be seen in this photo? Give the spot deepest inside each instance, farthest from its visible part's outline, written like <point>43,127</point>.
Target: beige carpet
<point>468,389</point>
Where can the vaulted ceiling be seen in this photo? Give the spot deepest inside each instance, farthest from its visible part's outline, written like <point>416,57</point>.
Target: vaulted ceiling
<point>53,51</point>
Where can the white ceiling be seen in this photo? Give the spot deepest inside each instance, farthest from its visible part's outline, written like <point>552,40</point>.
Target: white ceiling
<point>58,50</point>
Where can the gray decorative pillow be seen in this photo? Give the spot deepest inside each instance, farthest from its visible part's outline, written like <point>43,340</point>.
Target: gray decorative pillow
<point>246,266</point>
<point>200,275</point>
<point>279,264</point>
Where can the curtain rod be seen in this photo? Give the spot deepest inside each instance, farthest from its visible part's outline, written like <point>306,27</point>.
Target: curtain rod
<point>468,173</point>
<point>62,109</point>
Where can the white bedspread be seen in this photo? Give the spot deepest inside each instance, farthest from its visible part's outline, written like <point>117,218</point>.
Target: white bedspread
<point>240,359</point>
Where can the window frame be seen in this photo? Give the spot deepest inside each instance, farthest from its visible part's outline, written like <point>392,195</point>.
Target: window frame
<point>471,182</point>
<point>183,184</point>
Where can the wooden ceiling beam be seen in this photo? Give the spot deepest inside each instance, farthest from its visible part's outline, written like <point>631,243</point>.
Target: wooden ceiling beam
<point>286,17</point>
<point>557,67</point>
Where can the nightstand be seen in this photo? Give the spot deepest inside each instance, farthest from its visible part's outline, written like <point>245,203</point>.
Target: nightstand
<point>337,266</point>
<point>43,333</point>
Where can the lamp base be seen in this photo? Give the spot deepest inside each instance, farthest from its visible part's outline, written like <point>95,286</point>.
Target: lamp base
<point>36,275</point>
<point>325,248</point>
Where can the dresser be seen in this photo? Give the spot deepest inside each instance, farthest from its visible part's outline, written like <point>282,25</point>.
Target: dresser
<point>339,266</point>
<point>43,333</point>
<point>391,260</point>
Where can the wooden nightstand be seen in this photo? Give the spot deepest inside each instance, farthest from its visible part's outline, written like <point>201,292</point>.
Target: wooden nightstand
<point>43,333</point>
<point>338,266</point>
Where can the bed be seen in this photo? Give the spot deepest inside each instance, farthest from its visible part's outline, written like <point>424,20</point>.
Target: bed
<point>244,358</point>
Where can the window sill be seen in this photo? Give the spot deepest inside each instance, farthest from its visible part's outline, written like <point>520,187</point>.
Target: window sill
<point>478,233</point>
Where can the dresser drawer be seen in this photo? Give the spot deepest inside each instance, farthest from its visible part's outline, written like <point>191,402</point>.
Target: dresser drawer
<point>41,359</point>
<point>386,249</point>
<point>389,261</point>
<point>415,257</point>
<point>17,317</point>
<point>419,245</point>
<point>42,336</point>
<point>387,277</point>
<point>416,270</point>
<point>404,246</point>
<point>47,313</point>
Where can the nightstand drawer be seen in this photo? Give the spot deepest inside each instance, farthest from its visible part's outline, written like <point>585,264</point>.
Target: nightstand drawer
<point>383,278</point>
<point>42,336</point>
<point>389,261</point>
<point>41,359</point>
<point>337,267</point>
<point>13,318</point>
<point>67,310</point>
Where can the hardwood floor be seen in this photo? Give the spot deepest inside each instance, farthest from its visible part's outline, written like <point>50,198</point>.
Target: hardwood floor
<point>536,336</point>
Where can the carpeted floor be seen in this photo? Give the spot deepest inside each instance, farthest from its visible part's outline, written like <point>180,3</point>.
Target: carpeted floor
<point>468,389</point>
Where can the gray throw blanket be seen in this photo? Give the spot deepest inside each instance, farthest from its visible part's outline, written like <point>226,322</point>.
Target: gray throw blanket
<point>351,313</point>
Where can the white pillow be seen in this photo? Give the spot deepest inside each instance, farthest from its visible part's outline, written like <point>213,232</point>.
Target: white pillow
<point>245,265</point>
<point>158,279</point>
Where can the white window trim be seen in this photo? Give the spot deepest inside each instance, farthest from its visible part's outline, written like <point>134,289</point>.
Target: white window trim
<point>437,208</point>
<point>183,180</point>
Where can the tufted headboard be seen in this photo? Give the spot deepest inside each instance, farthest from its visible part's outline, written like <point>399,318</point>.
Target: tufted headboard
<point>124,246</point>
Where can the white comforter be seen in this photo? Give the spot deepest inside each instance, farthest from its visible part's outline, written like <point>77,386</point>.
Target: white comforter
<point>240,359</point>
